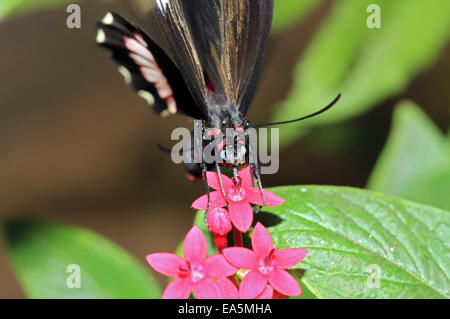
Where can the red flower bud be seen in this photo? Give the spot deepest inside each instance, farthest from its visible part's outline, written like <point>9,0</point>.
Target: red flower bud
<point>219,221</point>
<point>221,242</point>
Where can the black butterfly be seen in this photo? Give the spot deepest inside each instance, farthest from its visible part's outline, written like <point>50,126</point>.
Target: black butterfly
<point>218,47</point>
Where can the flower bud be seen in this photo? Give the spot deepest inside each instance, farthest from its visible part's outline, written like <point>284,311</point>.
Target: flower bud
<point>219,221</point>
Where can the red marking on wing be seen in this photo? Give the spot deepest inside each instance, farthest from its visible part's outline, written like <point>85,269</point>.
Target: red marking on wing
<point>210,86</point>
<point>150,70</point>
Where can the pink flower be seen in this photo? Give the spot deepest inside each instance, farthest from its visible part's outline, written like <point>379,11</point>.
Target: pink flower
<point>240,194</point>
<point>266,294</point>
<point>266,265</point>
<point>195,272</point>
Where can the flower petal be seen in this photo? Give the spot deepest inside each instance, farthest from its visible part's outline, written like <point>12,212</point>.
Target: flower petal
<point>246,177</point>
<point>252,285</point>
<point>289,257</point>
<point>254,196</point>
<point>166,263</point>
<point>267,293</point>
<point>217,200</point>
<point>261,241</point>
<point>207,289</point>
<point>179,288</point>
<point>241,214</point>
<point>217,266</point>
<point>243,258</point>
<point>214,182</point>
<point>194,246</point>
<point>284,283</point>
<point>227,289</point>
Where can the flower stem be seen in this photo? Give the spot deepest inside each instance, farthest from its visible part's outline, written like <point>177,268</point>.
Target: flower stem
<point>237,235</point>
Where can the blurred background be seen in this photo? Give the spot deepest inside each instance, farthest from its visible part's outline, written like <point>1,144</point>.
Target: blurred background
<point>78,146</point>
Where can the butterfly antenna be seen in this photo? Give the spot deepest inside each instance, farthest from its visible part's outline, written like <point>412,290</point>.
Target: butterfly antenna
<point>221,182</point>
<point>164,149</point>
<point>326,108</point>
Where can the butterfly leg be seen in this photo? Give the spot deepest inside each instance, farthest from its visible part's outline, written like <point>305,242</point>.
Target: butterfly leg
<point>205,179</point>
<point>252,174</point>
<point>235,172</point>
<point>258,178</point>
<point>221,183</point>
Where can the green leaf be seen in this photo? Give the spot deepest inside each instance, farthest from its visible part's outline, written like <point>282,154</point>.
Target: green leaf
<point>365,65</point>
<point>286,13</point>
<point>347,231</point>
<point>41,253</point>
<point>415,163</point>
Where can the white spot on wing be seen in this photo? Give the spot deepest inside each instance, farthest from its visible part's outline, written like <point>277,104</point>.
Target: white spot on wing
<point>101,36</point>
<point>171,105</point>
<point>108,19</point>
<point>162,4</point>
<point>147,96</point>
<point>164,113</point>
<point>125,73</point>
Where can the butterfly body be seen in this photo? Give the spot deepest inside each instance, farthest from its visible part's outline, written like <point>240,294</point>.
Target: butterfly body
<point>217,51</point>
<point>217,47</point>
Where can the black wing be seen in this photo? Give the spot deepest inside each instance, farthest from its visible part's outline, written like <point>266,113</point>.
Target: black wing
<point>219,46</point>
<point>231,39</point>
<point>177,33</point>
<point>146,67</point>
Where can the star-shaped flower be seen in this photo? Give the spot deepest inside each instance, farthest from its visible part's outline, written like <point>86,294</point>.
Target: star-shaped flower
<point>266,265</point>
<point>240,194</point>
<point>195,272</point>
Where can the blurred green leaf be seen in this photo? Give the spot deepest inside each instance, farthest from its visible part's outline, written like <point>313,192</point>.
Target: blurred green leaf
<point>14,7</point>
<point>365,65</point>
<point>41,253</point>
<point>415,163</point>
<point>347,231</point>
<point>287,12</point>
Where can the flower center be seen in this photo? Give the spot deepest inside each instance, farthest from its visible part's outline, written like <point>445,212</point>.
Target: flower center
<point>196,272</point>
<point>236,193</point>
<point>266,263</point>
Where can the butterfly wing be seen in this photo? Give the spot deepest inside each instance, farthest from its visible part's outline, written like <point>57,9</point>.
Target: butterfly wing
<point>231,39</point>
<point>176,30</point>
<point>146,68</point>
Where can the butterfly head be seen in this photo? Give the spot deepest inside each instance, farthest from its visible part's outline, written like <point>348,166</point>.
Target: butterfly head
<point>230,142</point>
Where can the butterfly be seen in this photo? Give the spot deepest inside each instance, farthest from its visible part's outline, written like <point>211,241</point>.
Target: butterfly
<point>217,49</point>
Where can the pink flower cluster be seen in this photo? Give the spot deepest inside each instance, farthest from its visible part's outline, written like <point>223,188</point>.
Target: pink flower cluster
<point>240,195</point>
<point>263,269</point>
